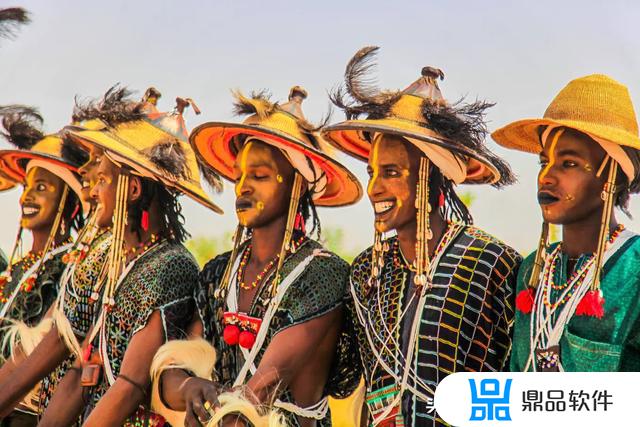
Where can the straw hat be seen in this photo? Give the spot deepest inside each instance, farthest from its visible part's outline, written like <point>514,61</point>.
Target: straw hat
<point>154,144</point>
<point>34,149</point>
<point>284,127</point>
<point>595,105</point>
<point>421,115</point>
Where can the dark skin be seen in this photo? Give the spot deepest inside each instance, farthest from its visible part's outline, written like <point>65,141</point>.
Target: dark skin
<point>299,357</point>
<point>393,176</point>
<point>122,398</point>
<point>569,190</point>
<point>50,352</point>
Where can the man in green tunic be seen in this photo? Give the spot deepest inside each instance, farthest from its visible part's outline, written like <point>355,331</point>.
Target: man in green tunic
<point>577,299</point>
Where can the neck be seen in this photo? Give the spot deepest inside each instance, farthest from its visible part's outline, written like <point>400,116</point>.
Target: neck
<point>581,237</point>
<point>40,238</point>
<point>266,241</point>
<point>407,236</point>
<point>133,239</point>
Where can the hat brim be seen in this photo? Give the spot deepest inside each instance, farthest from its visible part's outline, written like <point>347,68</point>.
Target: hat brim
<point>349,136</point>
<point>211,141</point>
<point>523,135</point>
<point>131,155</point>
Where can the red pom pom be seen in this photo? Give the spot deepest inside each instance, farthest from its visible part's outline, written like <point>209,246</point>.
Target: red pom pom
<point>524,301</point>
<point>441,199</point>
<point>592,304</point>
<point>231,334</point>
<point>247,338</point>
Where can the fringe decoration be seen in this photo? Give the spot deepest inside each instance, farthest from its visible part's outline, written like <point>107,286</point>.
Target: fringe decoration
<point>592,304</point>
<point>197,356</point>
<point>170,158</point>
<point>27,337</point>
<point>65,332</point>
<point>257,416</point>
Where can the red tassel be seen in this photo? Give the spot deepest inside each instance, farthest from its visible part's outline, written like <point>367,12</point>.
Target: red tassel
<point>144,222</point>
<point>75,211</point>
<point>299,224</point>
<point>86,354</point>
<point>592,304</point>
<point>524,301</point>
<point>231,334</point>
<point>247,338</point>
<point>441,199</point>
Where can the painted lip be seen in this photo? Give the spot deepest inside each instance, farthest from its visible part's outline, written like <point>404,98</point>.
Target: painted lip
<point>545,198</point>
<point>383,207</point>
<point>243,205</point>
<point>30,210</point>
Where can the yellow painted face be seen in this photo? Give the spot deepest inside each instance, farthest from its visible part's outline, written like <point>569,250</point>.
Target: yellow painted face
<point>264,179</point>
<point>40,198</point>
<point>568,188</point>
<point>88,173</point>
<point>393,175</point>
<point>103,192</point>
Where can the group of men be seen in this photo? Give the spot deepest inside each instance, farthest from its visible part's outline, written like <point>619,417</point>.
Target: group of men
<point>109,321</point>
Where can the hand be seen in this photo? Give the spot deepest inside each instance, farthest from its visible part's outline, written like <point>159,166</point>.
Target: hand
<point>199,394</point>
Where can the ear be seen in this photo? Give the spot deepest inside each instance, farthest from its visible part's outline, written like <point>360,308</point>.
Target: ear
<point>135,188</point>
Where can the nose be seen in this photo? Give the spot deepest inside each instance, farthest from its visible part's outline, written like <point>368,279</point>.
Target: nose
<point>93,192</point>
<point>26,196</point>
<point>547,176</point>
<point>242,187</point>
<point>375,187</point>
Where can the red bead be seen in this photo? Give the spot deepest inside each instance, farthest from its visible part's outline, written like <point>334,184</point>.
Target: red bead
<point>247,339</point>
<point>231,334</point>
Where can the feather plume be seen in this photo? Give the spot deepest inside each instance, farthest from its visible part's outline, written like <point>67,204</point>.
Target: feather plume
<point>360,95</point>
<point>115,107</point>
<point>18,333</point>
<point>259,104</point>
<point>22,125</point>
<point>235,403</point>
<point>10,19</point>
<point>209,176</point>
<point>465,124</point>
<point>170,158</point>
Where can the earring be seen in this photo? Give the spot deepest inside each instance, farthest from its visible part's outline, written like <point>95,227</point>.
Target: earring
<point>144,220</point>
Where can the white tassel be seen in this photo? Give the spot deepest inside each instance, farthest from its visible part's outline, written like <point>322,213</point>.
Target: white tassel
<point>197,356</point>
<point>234,403</point>
<point>66,332</point>
<point>19,333</point>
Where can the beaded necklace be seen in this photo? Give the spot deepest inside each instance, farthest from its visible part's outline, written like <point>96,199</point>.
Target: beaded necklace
<point>245,259</point>
<point>574,281</point>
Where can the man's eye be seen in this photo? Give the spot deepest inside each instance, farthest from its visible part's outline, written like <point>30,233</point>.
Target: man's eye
<point>543,163</point>
<point>569,164</point>
<point>260,176</point>
<point>41,187</point>
<point>391,173</point>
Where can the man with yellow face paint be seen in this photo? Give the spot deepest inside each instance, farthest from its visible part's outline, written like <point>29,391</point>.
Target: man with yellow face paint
<point>51,210</point>
<point>584,288</point>
<point>436,297</point>
<point>272,308</point>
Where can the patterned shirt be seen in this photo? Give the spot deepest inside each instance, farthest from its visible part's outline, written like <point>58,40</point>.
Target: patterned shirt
<point>78,307</point>
<point>161,280</point>
<point>318,290</point>
<point>464,325</point>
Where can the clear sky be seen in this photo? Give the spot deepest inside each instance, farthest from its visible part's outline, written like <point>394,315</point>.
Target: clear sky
<point>517,54</point>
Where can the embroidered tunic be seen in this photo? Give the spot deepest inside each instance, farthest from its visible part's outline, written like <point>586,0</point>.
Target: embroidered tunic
<point>161,280</point>
<point>78,307</point>
<point>31,306</point>
<point>588,343</point>
<point>318,290</point>
<point>464,325</point>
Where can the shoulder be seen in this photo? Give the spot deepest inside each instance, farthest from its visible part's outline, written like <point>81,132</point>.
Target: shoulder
<point>170,267</point>
<point>325,268</point>
<point>214,268</point>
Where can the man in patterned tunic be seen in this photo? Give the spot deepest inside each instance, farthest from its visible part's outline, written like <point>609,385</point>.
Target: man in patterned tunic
<point>273,307</point>
<point>147,163</point>
<point>585,289</point>
<point>51,210</point>
<point>437,297</point>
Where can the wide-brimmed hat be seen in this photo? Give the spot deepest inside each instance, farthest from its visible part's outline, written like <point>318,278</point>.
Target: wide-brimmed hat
<point>153,144</point>
<point>595,105</point>
<point>34,149</point>
<point>419,114</point>
<point>284,127</point>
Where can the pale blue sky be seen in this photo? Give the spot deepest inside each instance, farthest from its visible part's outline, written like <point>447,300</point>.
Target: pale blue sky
<point>518,54</point>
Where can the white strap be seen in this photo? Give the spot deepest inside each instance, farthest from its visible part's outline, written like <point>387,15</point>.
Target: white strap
<point>28,274</point>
